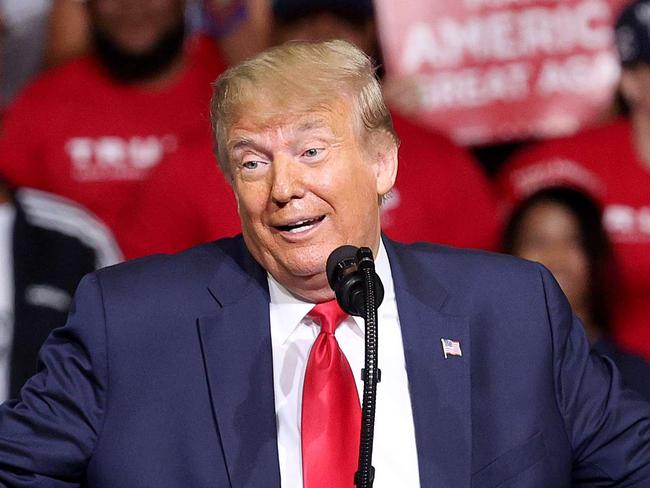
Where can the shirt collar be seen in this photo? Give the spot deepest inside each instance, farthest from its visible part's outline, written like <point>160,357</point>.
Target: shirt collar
<point>292,310</point>
<point>289,309</point>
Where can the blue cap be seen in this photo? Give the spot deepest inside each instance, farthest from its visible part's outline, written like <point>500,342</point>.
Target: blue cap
<point>633,34</point>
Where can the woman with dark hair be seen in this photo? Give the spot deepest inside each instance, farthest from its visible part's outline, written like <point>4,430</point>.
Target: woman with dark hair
<point>561,228</point>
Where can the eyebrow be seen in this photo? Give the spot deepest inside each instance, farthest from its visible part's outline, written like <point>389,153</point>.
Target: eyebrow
<point>244,142</point>
<point>312,124</point>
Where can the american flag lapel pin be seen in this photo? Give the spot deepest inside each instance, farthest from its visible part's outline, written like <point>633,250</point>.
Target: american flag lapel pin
<point>450,348</point>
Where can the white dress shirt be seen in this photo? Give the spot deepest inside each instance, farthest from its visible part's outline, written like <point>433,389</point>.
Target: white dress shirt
<point>292,335</point>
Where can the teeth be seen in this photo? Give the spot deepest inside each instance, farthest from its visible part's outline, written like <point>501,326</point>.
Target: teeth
<point>301,228</point>
<point>300,225</point>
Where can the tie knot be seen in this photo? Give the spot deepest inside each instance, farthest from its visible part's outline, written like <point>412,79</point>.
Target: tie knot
<point>329,315</point>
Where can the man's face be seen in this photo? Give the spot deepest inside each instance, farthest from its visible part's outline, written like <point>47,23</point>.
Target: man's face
<point>306,184</point>
<point>136,25</point>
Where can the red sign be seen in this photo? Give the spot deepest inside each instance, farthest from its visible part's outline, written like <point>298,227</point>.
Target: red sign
<point>492,70</point>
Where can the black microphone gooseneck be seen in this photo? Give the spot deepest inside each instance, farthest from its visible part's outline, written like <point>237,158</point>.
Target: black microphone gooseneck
<point>359,291</point>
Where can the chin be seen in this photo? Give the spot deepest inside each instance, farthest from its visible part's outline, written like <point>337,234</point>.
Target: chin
<point>307,268</point>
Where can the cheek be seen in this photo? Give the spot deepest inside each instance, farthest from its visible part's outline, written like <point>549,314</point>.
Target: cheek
<point>530,252</point>
<point>579,266</point>
<point>358,186</point>
<point>358,201</point>
<point>250,201</point>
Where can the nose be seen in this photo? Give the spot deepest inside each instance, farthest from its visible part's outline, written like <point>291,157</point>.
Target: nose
<point>287,180</point>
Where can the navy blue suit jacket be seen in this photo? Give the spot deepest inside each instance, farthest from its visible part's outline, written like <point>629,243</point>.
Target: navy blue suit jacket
<point>162,378</point>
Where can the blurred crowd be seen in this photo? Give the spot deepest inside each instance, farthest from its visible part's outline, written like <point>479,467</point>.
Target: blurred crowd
<point>106,154</point>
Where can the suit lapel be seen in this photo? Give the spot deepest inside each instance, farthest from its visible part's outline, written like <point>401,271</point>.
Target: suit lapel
<point>236,347</point>
<point>440,388</point>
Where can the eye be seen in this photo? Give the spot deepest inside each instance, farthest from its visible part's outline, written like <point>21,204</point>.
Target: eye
<point>250,165</point>
<point>313,152</point>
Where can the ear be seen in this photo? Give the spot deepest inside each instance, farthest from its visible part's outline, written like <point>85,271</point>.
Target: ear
<point>385,161</point>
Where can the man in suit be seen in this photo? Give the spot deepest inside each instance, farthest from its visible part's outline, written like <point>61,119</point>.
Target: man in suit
<point>192,369</point>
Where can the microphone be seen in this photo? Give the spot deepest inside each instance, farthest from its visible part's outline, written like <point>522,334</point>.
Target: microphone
<point>345,275</point>
<point>351,274</point>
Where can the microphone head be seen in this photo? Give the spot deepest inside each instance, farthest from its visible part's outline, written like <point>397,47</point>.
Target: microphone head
<point>339,260</point>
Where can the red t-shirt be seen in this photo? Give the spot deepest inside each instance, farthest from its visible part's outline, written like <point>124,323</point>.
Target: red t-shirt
<point>441,195</point>
<point>604,163</point>
<point>76,132</point>
<point>180,208</point>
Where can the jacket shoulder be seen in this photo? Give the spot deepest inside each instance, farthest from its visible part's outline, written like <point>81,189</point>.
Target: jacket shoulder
<point>456,267</point>
<point>197,261</point>
<point>473,279</point>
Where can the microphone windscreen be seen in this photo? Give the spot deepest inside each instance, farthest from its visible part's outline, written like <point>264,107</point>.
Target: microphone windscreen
<point>339,259</point>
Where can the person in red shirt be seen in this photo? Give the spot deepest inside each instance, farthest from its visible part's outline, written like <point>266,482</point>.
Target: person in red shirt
<point>441,194</point>
<point>180,208</point>
<point>108,128</point>
<point>611,163</point>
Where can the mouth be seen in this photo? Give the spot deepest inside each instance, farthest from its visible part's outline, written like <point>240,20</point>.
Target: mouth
<point>299,226</point>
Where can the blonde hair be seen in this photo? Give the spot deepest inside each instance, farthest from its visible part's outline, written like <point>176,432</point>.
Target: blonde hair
<point>299,77</point>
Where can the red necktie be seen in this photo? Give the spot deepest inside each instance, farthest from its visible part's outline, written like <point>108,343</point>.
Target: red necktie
<point>331,414</point>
